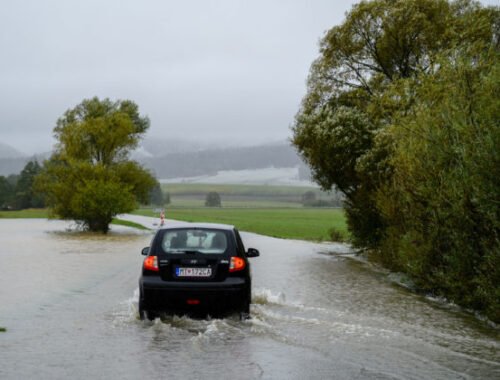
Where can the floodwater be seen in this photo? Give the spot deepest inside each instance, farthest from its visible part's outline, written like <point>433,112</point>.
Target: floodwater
<point>69,303</point>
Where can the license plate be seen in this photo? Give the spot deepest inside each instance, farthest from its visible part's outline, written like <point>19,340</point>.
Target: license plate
<point>193,272</point>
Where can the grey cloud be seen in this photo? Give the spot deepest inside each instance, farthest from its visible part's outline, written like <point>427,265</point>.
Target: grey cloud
<point>208,69</point>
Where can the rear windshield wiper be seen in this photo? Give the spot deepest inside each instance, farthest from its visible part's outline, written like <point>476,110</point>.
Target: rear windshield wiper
<point>192,252</point>
<point>189,252</point>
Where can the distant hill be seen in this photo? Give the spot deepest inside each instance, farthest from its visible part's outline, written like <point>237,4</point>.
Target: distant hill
<point>158,147</point>
<point>186,159</point>
<point>6,151</point>
<point>209,162</point>
<point>12,161</point>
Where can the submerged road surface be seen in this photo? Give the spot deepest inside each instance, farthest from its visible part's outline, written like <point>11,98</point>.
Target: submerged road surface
<point>69,303</point>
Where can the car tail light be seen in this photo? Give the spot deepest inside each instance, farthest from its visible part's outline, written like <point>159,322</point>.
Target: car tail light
<point>236,264</point>
<point>151,263</point>
<point>192,302</point>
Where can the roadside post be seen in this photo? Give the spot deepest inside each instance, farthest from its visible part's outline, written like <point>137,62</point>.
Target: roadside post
<point>162,217</point>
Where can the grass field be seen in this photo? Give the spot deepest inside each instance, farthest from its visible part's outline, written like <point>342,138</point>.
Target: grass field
<point>196,202</point>
<point>290,223</point>
<point>193,195</point>
<point>230,189</point>
<point>263,209</point>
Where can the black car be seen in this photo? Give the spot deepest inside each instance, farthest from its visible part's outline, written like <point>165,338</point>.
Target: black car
<point>196,269</point>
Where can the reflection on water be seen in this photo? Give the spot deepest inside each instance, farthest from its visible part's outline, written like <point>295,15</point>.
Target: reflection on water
<point>69,301</point>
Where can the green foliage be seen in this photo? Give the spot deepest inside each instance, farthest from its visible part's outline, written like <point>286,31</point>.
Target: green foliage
<point>157,197</point>
<point>88,178</point>
<point>6,193</point>
<point>213,199</point>
<point>362,81</point>
<point>308,197</point>
<point>442,202</point>
<point>401,115</point>
<point>166,198</point>
<point>342,134</point>
<point>336,235</point>
<point>17,191</point>
<point>26,196</point>
<point>100,131</point>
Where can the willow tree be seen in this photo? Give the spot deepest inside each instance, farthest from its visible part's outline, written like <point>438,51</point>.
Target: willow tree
<point>442,203</point>
<point>402,115</point>
<point>89,177</point>
<point>362,82</point>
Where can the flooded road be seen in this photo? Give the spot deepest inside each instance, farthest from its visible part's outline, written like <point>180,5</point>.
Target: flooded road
<point>69,303</point>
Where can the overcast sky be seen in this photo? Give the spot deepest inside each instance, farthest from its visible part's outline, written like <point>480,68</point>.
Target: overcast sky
<point>200,70</point>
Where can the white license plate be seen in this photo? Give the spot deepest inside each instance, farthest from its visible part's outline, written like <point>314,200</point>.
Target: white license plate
<point>193,272</point>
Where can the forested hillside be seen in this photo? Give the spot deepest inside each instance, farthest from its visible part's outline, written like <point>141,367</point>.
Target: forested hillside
<point>206,162</point>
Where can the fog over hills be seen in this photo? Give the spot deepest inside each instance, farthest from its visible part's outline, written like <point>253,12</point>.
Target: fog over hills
<point>7,151</point>
<point>209,162</point>
<point>180,158</point>
<point>12,161</point>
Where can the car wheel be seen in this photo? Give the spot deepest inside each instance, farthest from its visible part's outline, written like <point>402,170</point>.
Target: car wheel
<point>151,315</point>
<point>245,312</point>
<point>142,312</point>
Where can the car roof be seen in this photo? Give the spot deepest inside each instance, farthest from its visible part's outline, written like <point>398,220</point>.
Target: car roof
<point>217,226</point>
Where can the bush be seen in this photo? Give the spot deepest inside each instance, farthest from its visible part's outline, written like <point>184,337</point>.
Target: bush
<point>308,197</point>
<point>441,218</point>
<point>166,198</point>
<point>213,199</point>
<point>335,235</point>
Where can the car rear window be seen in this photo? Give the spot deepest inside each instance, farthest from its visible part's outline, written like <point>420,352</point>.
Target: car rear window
<point>207,241</point>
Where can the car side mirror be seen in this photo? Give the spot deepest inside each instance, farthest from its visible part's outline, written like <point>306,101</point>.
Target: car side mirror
<point>145,251</point>
<point>252,252</point>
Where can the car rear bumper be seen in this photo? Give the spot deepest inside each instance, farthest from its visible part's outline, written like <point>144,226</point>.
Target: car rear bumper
<point>194,297</point>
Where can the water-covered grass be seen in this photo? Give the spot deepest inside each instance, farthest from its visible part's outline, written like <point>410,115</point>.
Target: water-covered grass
<point>121,222</point>
<point>44,214</point>
<point>290,223</point>
<point>23,214</point>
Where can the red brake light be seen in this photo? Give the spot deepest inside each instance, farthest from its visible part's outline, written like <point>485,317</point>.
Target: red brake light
<point>237,263</point>
<point>151,263</point>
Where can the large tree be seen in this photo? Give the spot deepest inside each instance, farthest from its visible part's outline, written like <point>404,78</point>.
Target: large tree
<point>442,205</point>
<point>362,81</point>
<point>89,178</point>
<point>401,115</point>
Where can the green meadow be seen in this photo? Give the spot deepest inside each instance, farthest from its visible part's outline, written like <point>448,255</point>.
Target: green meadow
<point>290,223</point>
<point>268,210</point>
<point>264,209</point>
